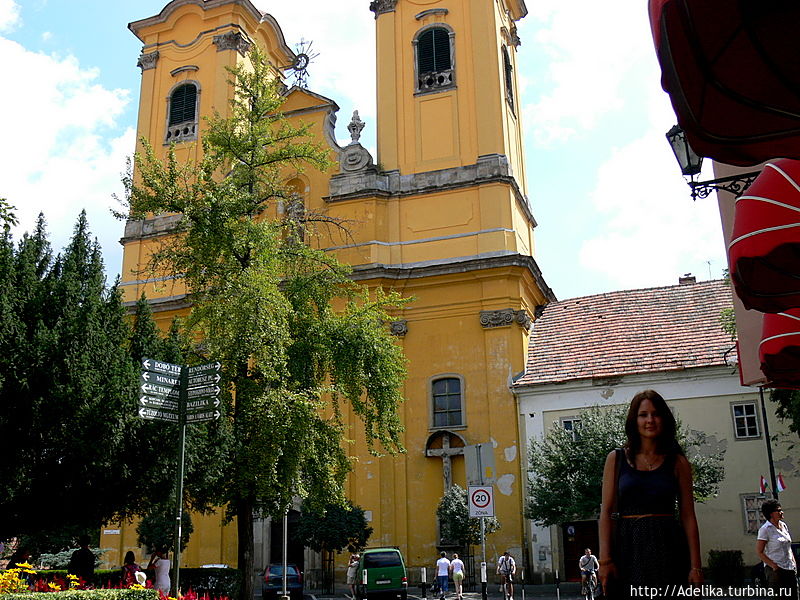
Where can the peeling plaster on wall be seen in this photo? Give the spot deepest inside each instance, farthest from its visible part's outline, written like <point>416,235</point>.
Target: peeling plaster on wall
<point>708,444</point>
<point>607,393</point>
<point>505,484</point>
<point>493,442</point>
<point>369,475</point>
<point>510,453</point>
<point>785,465</point>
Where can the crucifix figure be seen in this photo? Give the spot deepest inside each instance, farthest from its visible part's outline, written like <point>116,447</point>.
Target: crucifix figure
<point>446,452</point>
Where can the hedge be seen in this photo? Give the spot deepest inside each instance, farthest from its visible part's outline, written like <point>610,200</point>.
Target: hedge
<point>86,595</point>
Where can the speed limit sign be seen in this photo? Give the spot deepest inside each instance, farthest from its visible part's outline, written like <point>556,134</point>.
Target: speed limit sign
<point>481,501</point>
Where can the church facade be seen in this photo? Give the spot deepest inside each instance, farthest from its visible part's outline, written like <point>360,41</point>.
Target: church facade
<point>441,214</point>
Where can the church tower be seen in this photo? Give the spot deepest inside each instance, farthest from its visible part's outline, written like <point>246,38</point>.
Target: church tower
<point>444,218</point>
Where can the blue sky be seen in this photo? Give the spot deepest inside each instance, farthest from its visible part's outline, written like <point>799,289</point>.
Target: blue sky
<point>613,210</point>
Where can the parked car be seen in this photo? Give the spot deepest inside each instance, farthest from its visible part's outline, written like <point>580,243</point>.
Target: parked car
<point>272,587</point>
<point>386,574</point>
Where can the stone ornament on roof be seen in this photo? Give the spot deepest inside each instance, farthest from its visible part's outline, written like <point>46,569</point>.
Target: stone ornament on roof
<point>504,318</point>
<point>354,157</point>
<point>147,61</point>
<point>399,328</point>
<point>382,6</point>
<point>232,40</point>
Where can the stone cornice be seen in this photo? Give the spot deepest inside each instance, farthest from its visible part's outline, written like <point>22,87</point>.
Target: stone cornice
<point>368,183</point>
<point>460,265</point>
<point>232,40</point>
<point>505,317</point>
<point>382,6</point>
<point>179,302</point>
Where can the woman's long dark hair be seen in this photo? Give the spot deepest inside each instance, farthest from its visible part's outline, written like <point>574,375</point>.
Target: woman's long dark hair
<point>667,442</point>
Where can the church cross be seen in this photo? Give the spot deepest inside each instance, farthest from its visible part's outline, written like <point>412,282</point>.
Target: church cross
<point>445,453</point>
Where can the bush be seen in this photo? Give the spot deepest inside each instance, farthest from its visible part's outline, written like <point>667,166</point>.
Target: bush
<point>726,567</point>
<point>214,582</point>
<point>108,578</point>
<point>87,595</point>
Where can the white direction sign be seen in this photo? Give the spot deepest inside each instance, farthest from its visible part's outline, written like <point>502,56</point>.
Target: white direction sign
<point>211,391</point>
<point>161,391</point>
<point>202,403</point>
<point>160,403</point>
<point>206,369</point>
<point>164,368</point>
<point>204,379</point>
<point>199,417</point>
<point>159,379</point>
<point>480,499</point>
<point>159,415</point>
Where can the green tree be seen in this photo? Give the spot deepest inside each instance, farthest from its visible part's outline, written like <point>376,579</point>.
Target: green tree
<point>565,473</point>
<point>263,304</point>
<point>455,524</point>
<point>336,527</point>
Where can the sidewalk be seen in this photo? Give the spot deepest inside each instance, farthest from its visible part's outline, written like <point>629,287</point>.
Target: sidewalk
<point>568,591</point>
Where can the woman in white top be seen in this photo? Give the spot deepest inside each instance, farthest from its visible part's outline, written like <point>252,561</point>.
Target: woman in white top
<point>457,572</point>
<point>160,563</point>
<point>774,547</point>
<point>352,570</point>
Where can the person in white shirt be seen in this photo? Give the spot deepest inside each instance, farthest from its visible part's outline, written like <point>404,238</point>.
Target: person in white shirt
<point>589,566</point>
<point>457,572</point>
<point>506,567</point>
<point>442,574</point>
<point>774,548</point>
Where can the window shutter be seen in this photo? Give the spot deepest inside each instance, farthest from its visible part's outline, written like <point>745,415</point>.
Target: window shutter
<point>433,51</point>
<point>182,104</point>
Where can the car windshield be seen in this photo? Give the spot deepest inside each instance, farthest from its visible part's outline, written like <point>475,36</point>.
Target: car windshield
<point>373,560</point>
<point>277,570</point>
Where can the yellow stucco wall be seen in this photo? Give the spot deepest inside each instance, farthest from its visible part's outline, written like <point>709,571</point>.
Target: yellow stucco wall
<point>416,133</point>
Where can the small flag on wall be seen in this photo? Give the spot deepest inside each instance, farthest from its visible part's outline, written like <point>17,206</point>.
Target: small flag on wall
<point>762,485</point>
<point>781,485</point>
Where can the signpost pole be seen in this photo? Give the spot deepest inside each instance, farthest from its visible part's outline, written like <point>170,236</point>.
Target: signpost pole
<point>179,483</point>
<point>484,587</point>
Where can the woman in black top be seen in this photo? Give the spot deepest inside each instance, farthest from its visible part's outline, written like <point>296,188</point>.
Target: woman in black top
<point>654,544</point>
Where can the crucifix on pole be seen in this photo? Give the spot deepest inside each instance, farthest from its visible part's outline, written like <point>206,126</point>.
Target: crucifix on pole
<point>446,453</point>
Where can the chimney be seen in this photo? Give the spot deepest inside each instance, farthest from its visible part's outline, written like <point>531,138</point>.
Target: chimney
<point>687,279</point>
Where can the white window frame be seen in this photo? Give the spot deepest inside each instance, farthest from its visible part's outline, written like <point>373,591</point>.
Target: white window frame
<point>573,428</point>
<point>755,416</point>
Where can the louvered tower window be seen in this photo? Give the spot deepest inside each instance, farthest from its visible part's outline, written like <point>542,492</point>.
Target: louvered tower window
<point>509,76</point>
<point>182,124</point>
<point>434,59</point>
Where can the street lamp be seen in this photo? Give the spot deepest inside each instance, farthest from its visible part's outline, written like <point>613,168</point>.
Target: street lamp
<point>690,163</point>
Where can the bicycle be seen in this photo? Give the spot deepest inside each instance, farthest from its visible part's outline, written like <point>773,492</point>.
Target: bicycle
<point>589,585</point>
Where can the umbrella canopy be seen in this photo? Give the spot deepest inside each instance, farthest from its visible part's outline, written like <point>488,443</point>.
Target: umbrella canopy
<point>779,350</point>
<point>764,251</point>
<point>732,70</point>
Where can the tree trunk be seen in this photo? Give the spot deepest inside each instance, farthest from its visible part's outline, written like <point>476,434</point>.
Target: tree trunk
<point>244,529</point>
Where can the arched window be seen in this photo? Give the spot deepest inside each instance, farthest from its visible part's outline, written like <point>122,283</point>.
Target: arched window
<point>508,70</point>
<point>434,59</point>
<point>447,402</point>
<point>182,120</point>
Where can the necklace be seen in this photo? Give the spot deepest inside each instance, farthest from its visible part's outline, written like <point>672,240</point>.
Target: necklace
<point>650,465</point>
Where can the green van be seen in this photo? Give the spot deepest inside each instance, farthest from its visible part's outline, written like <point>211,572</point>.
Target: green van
<point>386,574</point>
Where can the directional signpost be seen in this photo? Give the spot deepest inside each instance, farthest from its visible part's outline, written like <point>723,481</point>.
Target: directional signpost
<point>179,394</point>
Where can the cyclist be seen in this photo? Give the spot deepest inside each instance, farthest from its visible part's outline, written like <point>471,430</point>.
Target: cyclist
<point>506,567</point>
<point>588,565</point>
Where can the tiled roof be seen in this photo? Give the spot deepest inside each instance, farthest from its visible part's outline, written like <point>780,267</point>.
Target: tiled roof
<point>633,331</point>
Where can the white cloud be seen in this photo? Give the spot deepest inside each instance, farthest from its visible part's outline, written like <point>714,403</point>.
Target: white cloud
<point>652,232</point>
<point>593,55</point>
<point>62,152</point>
<point>9,15</point>
<point>343,34</point>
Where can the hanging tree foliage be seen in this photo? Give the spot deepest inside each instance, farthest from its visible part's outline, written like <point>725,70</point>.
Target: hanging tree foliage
<point>263,303</point>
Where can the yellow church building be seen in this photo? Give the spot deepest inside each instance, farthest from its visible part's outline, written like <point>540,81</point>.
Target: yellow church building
<point>441,214</point>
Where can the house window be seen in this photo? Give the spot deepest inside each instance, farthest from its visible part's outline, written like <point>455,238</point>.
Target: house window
<point>573,427</point>
<point>182,120</point>
<point>751,507</point>
<point>745,420</point>
<point>447,409</point>
<point>508,71</point>
<point>434,59</point>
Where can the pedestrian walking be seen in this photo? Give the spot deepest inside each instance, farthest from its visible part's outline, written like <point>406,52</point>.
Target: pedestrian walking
<point>352,569</point>
<point>457,573</point>
<point>160,563</point>
<point>442,574</point>
<point>774,548</point>
<point>81,563</point>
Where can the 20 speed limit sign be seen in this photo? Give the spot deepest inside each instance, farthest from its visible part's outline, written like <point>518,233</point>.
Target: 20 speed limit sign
<point>481,501</point>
